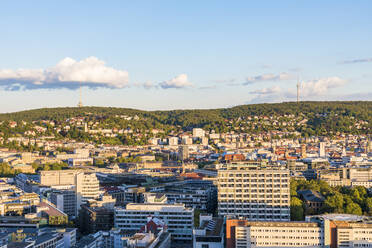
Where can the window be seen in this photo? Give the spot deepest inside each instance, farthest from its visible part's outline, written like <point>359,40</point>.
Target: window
<point>205,246</point>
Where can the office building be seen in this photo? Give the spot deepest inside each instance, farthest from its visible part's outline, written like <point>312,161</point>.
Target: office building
<point>65,200</point>
<point>247,234</point>
<point>58,177</point>
<point>245,190</point>
<point>197,194</point>
<point>95,218</point>
<point>177,217</point>
<point>85,185</point>
<point>329,230</point>
<point>87,188</point>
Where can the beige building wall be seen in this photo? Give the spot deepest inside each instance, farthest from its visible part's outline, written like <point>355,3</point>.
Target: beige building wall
<point>263,234</point>
<point>86,187</point>
<point>354,235</point>
<point>253,193</point>
<point>60,177</point>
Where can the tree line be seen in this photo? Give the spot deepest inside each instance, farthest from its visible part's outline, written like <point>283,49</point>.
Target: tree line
<point>355,200</point>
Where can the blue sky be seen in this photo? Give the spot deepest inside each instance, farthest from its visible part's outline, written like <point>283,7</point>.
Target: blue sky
<point>182,54</point>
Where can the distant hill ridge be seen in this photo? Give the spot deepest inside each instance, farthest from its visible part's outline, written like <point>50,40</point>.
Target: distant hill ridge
<point>320,117</point>
<point>359,108</point>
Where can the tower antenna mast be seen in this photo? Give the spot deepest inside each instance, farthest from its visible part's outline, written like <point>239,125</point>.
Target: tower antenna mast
<point>80,104</point>
<point>298,90</point>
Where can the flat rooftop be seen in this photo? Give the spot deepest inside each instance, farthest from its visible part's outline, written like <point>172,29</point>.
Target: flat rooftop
<point>157,207</point>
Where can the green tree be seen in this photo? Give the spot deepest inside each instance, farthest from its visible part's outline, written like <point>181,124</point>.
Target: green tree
<point>353,208</point>
<point>368,205</point>
<point>334,203</point>
<point>297,209</point>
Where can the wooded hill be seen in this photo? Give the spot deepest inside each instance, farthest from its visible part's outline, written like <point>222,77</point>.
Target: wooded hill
<point>337,116</point>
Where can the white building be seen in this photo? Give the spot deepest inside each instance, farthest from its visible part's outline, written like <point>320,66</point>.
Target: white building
<point>86,187</point>
<point>173,141</point>
<point>177,217</point>
<point>198,133</point>
<point>274,234</point>
<point>322,149</point>
<point>329,230</point>
<point>186,140</point>
<point>256,194</point>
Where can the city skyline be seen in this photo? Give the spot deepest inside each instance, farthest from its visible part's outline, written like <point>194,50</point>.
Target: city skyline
<point>183,55</point>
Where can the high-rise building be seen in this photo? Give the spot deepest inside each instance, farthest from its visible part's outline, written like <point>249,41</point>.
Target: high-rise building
<point>87,188</point>
<point>254,193</point>
<point>94,218</point>
<point>65,200</point>
<point>86,185</point>
<point>177,217</point>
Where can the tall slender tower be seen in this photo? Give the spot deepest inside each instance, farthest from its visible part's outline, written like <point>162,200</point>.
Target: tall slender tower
<point>80,104</point>
<point>298,90</point>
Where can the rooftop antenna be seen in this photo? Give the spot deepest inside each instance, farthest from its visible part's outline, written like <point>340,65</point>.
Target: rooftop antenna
<point>80,104</point>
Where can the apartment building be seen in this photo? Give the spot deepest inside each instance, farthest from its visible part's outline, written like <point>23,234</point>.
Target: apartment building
<point>253,193</point>
<point>177,217</point>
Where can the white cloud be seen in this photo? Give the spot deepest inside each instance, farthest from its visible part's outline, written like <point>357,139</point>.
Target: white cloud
<point>228,81</point>
<point>68,73</point>
<point>267,91</point>
<point>268,77</point>
<point>310,90</point>
<point>178,82</point>
<point>354,61</point>
<point>320,87</point>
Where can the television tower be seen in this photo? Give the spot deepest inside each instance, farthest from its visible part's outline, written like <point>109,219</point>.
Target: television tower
<point>298,90</point>
<point>80,104</point>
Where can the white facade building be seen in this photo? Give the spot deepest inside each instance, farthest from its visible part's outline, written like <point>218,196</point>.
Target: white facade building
<point>198,133</point>
<point>177,217</point>
<point>173,141</point>
<point>86,187</point>
<point>253,193</point>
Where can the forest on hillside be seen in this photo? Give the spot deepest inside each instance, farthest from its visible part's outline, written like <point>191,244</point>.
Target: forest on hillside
<point>321,117</point>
